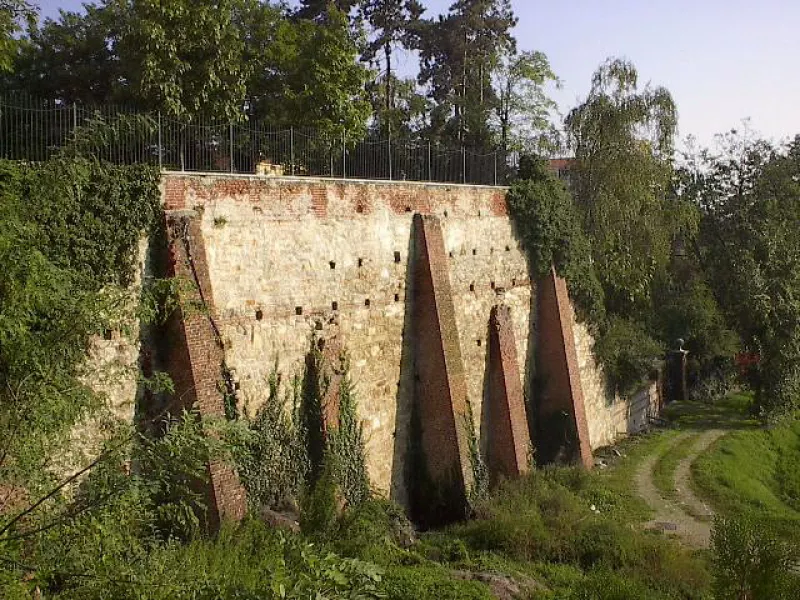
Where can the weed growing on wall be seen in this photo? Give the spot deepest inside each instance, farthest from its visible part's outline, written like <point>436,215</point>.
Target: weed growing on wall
<point>270,450</point>
<point>286,454</point>
<point>480,473</point>
<point>346,445</point>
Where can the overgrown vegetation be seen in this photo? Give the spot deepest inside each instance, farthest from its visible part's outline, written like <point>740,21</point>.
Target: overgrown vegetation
<point>549,224</point>
<point>708,252</point>
<point>748,193</point>
<point>69,234</point>
<point>629,236</point>
<point>752,560</point>
<point>270,450</point>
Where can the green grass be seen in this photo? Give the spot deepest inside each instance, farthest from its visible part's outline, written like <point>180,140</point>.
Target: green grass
<point>617,481</point>
<point>731,412</point>
<point>667,463</point>
<point>545,521</point>
<point>756,472</point>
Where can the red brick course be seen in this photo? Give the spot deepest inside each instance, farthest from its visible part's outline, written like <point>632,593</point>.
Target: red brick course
<point>195,356</point>
<point>174,193</point>
<point>509,439</point>
<point>557,369</point>
<point>441,390</point>
<point>290,198</point>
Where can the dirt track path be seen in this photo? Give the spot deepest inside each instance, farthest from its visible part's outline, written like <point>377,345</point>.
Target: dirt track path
<point>689,518</point>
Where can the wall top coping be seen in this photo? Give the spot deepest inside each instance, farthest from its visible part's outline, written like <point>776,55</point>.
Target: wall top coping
<point>327,180</point>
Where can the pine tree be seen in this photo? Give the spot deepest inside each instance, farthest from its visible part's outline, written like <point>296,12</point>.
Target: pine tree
<point>459,54</point>
<point>391,22</point>
<point>317,10</point>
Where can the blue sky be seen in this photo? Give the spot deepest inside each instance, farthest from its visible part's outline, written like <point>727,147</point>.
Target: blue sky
<point>723,60</point>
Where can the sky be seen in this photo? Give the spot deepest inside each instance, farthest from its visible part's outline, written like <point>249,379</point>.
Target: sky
<point>722,60</point>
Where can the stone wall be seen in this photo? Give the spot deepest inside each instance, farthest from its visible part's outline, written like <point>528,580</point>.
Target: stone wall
<point>286,256</point>
<point>112,371</point>
<point>610,417</point>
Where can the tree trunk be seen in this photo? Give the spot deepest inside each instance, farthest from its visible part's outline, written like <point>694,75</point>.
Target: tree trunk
<point>387,49</point>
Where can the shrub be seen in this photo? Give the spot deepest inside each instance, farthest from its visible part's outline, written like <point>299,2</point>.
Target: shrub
<point>249,562</point>
<point>750,561</point>
<point>627,353</point>
<point>540,519</point>
<point>431,582</point>
<point>604,584</point>
<point>270,451</point>
<point>375,530</point>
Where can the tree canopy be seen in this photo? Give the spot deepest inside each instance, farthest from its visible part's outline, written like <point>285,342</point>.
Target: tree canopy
<point>13,16</point>
<point>623,137</point>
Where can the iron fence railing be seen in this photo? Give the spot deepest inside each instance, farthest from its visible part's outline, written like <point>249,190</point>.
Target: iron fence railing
<point>35,130</point>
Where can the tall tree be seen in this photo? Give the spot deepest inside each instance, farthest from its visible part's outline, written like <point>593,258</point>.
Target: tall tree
<point>459,54</point>
<point>14,14</point>
<point>409,115</point>
<point>317,10</point>
<point>523,107</point>
<point>303,73</point>
<point>391,23</point>
<point>623,140</point>
<point>749,194</point>
<point>185,57</point>
<point>73,59</point>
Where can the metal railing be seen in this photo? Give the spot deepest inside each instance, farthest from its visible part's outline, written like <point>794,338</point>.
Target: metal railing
<point>35,130</point>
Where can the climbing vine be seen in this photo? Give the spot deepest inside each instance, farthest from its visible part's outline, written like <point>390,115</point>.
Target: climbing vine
<point>69,235</point>
<point>549,227</point>
<point>479,490</point>
<point>85,216</point>
<point>287,455</point>
<point>346,445</point>
<point>270,450</point>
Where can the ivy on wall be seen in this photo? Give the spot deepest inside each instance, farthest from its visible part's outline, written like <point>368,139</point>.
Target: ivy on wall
<point>549,226</point>
<point>69,234</point>
<point>285,457</point>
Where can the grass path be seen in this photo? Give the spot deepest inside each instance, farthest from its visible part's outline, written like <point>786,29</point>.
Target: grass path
<point>751,470</point>
<point>687,500</point>
<point>667,463</point>
<point>671,516</point>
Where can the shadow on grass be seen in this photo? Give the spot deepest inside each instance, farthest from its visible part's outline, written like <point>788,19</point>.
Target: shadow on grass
<point>731,412</point>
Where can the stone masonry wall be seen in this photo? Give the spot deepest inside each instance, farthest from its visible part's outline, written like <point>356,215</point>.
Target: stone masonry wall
<point>289,256</point>
<point>286,256</point>
<point>112,371</point>
<point>609,416</point>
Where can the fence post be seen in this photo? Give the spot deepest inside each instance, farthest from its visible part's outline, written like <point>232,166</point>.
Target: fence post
<point>463,164</point>
<point>160,146</point>
<point>230,144</point>
<point>430,162</point>
<point>390,155</point>
<point>344,155</point>
<point>74,117</point>
<point>291,147</point>
<point>495,168</point>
